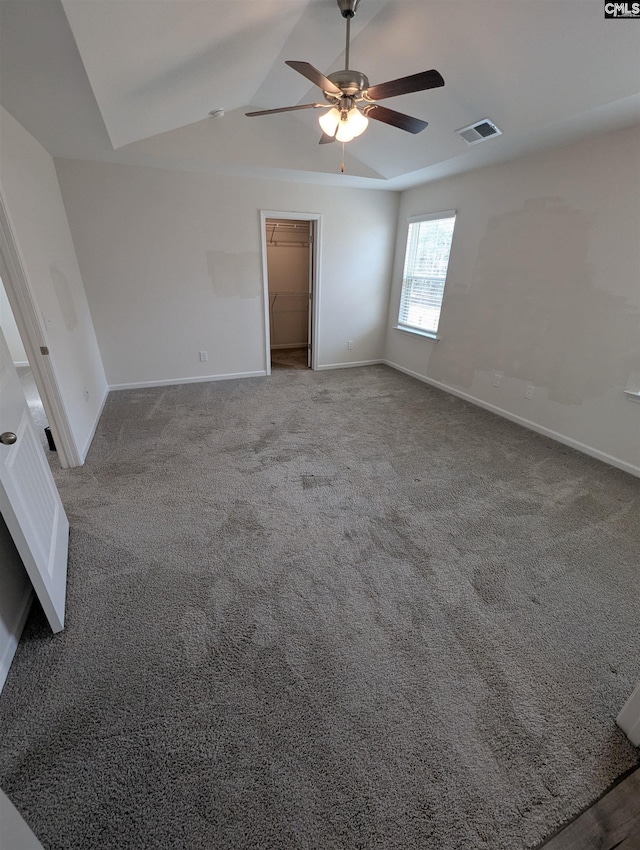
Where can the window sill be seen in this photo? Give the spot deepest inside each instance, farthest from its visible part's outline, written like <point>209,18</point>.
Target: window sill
<point>426,334</point>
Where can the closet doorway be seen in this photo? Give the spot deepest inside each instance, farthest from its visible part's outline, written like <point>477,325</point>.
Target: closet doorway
<point>290,258</point>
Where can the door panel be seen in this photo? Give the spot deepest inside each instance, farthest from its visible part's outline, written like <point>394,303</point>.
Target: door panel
<point>310,316</point>
<point>29,499</point>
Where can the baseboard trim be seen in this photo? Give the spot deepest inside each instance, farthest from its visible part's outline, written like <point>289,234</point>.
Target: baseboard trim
<point>94,427</point>
<point>526,423</point>
<point>197,380</point>
<point>350,365</point>
<point>14,635</point>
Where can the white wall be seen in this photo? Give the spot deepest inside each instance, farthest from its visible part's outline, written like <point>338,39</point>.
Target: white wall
<point>544,287</point>
<point>32,196</point>
<point>10,330</point>
<point>171,265</point>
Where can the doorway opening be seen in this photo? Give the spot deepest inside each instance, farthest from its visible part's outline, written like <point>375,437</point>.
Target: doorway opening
<point>289,248</point>
<point>290,271</point>
<point>25,315</point>
<point>23,368</point>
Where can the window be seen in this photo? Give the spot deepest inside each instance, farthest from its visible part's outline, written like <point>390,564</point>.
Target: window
<point>425,271</point>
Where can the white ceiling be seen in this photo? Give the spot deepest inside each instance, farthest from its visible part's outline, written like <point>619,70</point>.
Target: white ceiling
<point>134,80</point>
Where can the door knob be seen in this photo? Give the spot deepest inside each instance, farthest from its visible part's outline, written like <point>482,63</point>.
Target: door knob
<point>8,438</point>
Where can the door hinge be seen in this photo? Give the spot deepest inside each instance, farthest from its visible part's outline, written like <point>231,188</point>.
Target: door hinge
<point>44,349</point>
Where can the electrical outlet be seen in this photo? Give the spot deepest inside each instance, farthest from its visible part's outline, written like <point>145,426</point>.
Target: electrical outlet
<point>204,356</point>
<point>528,393</point>
<point>350,344</point>
<point>497,377</point>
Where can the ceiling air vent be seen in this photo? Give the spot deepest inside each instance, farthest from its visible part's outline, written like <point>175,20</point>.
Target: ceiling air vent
<point>479,131</point>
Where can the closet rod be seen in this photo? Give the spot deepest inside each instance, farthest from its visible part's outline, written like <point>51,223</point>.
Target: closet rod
<point>288,244</point>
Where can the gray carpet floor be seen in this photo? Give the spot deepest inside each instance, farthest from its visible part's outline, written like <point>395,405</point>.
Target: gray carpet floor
<point>326,610</point>
<point>289,358</point>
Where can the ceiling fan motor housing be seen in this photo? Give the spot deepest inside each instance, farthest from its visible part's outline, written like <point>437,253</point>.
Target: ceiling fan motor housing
<point>350,82</point>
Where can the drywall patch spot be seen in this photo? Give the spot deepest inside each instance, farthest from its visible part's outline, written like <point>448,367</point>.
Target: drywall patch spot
<point>65,298</point>
<point>234,275</point>
<point>533,310</point>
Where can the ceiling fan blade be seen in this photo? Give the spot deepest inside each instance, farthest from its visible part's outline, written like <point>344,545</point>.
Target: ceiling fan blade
<point>396,119</point>
<point>315,76</point>
<point>288,109</point>
<point>325,139</point>
<point>416,82</point>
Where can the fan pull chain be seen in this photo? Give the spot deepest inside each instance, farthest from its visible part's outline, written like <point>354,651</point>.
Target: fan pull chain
<point>342,163</point>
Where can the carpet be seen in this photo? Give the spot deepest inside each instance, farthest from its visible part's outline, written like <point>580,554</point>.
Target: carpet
<point>289,358</point>
<point>326,610</point>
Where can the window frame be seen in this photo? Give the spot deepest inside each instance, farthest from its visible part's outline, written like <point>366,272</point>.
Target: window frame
<point>416,219</point>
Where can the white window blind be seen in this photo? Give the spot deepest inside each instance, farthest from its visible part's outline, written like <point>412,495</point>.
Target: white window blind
<point>425,271</point>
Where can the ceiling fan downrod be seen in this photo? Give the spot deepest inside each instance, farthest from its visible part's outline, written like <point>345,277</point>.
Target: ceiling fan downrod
<point>347,10</point>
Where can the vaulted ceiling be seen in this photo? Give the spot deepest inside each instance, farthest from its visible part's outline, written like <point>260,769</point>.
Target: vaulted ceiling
<point>135,80</point>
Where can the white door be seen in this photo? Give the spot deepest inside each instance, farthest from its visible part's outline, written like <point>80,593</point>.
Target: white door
<point>29,500</point>
<point>310,304</point>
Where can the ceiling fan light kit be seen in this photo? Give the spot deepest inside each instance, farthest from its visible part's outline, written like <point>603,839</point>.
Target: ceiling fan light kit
<point>351,101</point>
<point>343,125</point>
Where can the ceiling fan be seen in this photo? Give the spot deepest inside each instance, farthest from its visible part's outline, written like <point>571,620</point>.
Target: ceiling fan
<point>350,99</point>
